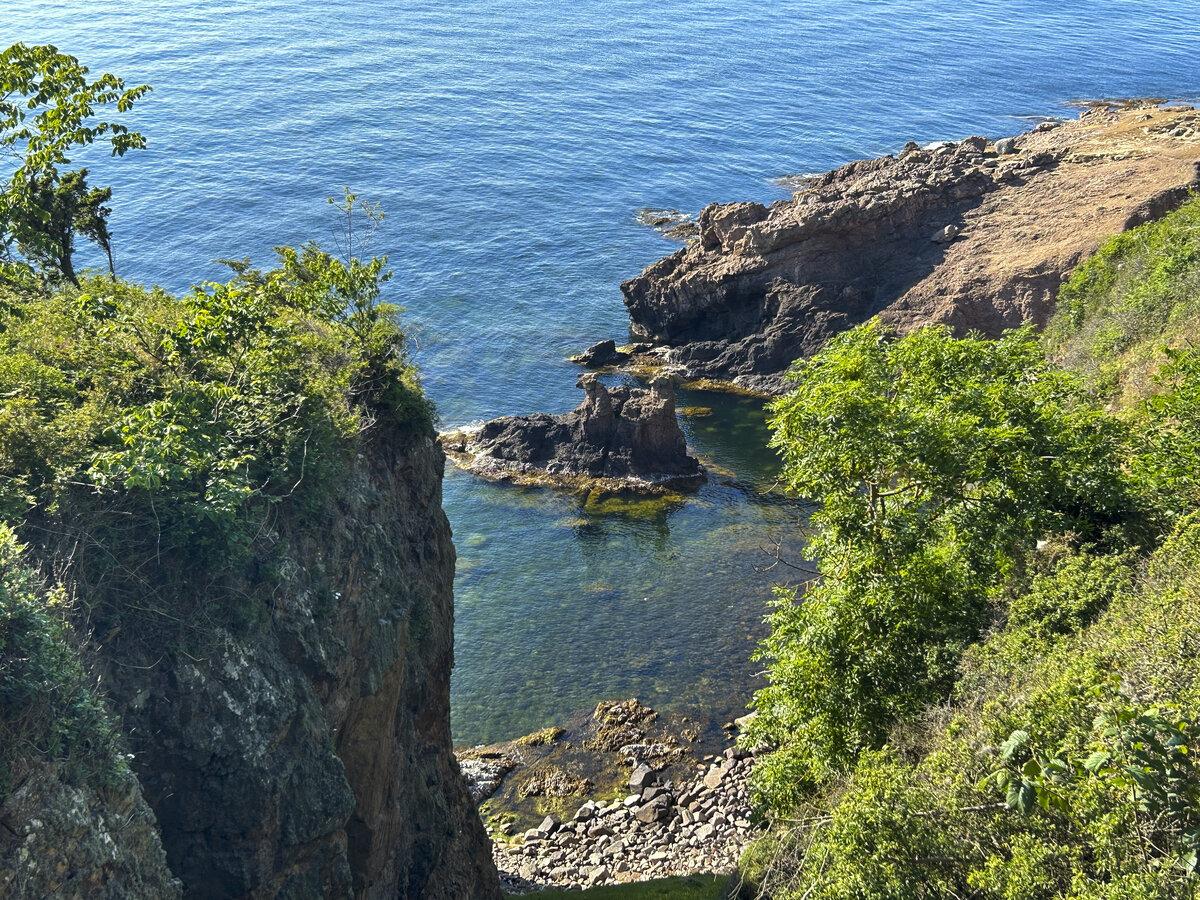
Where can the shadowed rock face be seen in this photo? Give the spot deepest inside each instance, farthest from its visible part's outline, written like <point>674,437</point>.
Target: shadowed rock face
<point>617,434</point>
<point>954,233</point>
<point>313,758</point>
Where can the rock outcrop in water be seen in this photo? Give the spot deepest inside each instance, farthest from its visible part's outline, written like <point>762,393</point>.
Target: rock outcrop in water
<point>619,437</point>
<point>969,234</point>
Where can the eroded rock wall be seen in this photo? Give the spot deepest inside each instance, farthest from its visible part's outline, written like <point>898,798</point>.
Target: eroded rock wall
<point>312,757</point>
<point>76,841</point>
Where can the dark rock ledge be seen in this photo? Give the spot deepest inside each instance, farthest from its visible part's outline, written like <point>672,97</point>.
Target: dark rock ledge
<point>619,438</point>
<point>974,234</point>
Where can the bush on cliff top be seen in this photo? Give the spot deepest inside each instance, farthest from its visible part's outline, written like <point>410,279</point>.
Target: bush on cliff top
<point>150,442</point>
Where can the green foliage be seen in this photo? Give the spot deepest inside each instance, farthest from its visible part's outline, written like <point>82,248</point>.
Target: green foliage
<point>154,441</point>
<point>1139,292</point>
<point>1077,779</point>
<point>1168,445</point>
<point>1050,605</point>
<point>66,208</point>
<point>48,712</point>
<point>934,462</point>
<point>47,105</point>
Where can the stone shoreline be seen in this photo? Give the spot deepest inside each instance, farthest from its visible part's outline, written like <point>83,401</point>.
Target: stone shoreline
<point>624,794</point>
<point>660,829</point>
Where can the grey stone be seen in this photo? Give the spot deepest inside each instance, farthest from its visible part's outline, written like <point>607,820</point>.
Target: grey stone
<point>642,777</point>
<point>947,234</point>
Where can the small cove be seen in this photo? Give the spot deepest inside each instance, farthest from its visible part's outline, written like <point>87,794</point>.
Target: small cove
<point>511,145</point>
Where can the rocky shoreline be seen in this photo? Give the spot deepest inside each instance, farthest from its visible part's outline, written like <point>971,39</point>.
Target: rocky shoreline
<point>657,830</point>
<point>974,234</point>
<point>625,794</point>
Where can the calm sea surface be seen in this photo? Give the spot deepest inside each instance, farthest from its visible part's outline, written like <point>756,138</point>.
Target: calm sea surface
<point>510,144</point>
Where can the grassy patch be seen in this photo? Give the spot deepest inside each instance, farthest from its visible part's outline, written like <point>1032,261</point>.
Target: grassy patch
<point>1138,294</point>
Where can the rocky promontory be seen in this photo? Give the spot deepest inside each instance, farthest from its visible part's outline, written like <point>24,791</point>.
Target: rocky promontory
<point>974,234</point>
<point>620,438</point>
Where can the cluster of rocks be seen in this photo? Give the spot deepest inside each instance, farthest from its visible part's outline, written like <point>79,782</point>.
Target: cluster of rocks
<point>660,829</point>
<point>670,223</point>
<point>621,438</point>
<point>970,233</point>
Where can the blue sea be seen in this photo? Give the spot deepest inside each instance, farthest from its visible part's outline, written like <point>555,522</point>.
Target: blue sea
<point>511,145</point>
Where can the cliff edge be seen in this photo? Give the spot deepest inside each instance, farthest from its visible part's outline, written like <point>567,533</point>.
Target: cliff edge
<point>972,234</point>
<point>226,597</point>
<point>313,757</point>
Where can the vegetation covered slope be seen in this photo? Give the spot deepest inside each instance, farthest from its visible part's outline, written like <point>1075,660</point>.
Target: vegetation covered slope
<point>991,687</point>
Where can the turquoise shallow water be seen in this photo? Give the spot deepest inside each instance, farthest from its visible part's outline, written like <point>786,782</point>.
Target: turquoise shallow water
<point>511,144</point>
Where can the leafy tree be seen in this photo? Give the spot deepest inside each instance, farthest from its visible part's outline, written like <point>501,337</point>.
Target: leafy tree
<point>71,209</point>
<point>935,462</point>
<point>47,108</point>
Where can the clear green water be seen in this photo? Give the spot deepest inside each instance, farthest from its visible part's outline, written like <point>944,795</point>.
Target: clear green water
<point>560,605</point>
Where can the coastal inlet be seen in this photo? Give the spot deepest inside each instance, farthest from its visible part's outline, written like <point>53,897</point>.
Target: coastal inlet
<point>658,597</point>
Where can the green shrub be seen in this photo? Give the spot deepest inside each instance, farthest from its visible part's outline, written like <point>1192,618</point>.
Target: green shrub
<point>155,440</point>
<point>1138,293</point>
<point>1077,779</point>
<point>1164,457</point>
<point>935,461</point>
<point>48,712</point>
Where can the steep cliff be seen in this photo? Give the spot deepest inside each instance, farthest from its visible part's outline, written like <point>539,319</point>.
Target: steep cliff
<point>233,497</point>
<point>971,234</point>
<point>312,757</point>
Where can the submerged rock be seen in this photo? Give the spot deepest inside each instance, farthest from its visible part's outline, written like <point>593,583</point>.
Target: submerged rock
<point>621,437</point>
<point>670,223</point>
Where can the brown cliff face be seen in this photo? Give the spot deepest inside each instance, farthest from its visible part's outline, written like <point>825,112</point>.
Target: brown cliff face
<point>955,233</point>
<point>312,756</point>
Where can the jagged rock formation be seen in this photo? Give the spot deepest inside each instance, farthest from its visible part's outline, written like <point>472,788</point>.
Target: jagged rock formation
<point>76,841</point>
<point>313,757</point>
<point>974,236</point>
<point>618,437</point>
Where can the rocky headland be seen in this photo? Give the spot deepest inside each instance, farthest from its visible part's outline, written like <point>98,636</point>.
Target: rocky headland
<point>619,438</point>
<point>974,234</point>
